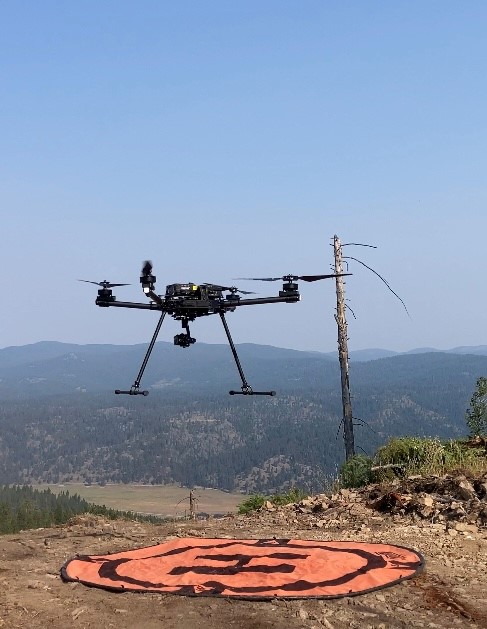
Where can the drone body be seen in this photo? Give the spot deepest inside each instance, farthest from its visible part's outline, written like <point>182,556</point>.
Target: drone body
<point>186,302</point>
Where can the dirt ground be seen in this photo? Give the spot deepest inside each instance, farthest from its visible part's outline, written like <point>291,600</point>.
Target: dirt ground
<point>451,592</point>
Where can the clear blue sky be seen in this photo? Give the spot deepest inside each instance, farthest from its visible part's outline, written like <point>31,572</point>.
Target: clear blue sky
<point>226,139</point>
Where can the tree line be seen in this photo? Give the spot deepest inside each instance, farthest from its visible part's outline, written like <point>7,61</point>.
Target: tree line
<point>22,507</point>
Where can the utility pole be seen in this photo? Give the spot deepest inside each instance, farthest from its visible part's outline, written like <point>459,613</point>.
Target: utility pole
<point>341,320</point>
<point>192,509</point>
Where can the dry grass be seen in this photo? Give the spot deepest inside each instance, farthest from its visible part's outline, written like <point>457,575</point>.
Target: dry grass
<point>163,500</point>
<point>432,456</point>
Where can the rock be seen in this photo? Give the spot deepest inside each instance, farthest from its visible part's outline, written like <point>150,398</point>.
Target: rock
<point>319,506</point>
<point>426,512</point>
<point>77,612</point>
<point>465,490</point>
<point>425,500</point>
<point>468,528</point>
<point>481,489</point>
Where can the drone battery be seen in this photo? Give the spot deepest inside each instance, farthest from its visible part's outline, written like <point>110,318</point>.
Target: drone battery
<point>181,290</point>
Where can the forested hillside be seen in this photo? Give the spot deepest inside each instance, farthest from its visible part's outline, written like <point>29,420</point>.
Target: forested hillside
<point>190,431</point>
<point>23,507</point>
<point>50,368</point>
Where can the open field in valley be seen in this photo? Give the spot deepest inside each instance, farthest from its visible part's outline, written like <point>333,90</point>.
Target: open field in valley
<point>164,500</point>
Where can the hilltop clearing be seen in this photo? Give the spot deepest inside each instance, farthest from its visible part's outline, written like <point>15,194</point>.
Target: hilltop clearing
<point>443,518</point>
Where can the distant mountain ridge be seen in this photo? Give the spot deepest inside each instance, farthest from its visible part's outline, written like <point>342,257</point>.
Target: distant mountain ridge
<point>51,368</point>
<point>43,350</point>
<point>376,353</point>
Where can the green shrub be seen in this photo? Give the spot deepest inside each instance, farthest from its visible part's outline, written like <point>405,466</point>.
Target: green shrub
<point>408,451</point>
<point>356,472</point>
<point>257,501</point>
<point>418,455</point>
<point>252,503</point>
<point>293,495</point>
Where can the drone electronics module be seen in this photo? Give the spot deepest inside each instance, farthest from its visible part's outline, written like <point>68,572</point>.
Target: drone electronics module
<point>186,302</point>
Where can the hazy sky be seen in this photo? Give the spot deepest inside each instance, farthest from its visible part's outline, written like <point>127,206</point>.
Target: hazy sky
<point>226,139</point>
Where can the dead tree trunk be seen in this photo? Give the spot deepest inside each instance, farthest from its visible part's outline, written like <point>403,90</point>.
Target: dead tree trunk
<point>343,352</point>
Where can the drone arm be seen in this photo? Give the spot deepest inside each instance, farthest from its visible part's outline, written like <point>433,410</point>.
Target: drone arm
<point>152,295</point>
<point>134,389</point>
<point>128,304</point>
<point>290,299</point>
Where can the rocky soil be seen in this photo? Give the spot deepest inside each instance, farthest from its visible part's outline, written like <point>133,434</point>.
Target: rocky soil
<point>444,518</point>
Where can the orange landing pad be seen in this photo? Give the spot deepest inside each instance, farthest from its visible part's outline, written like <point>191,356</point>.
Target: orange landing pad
<point>249,568</point>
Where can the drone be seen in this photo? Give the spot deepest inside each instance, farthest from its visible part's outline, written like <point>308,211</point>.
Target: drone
<point>187,302</point>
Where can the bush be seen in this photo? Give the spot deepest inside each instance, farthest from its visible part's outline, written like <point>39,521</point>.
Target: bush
<point>356,472</point>
<point>417,455</point>
<point>252,503</point>
<point>293,495</point>
<point>257,501</point>
<point>408,451</point>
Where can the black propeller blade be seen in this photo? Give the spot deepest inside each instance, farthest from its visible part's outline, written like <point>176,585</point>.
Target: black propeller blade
<point>232,289</point>
<point>147,268</point>
<point>292,278</point>
<point>103,284</point>
<point>314,278</point>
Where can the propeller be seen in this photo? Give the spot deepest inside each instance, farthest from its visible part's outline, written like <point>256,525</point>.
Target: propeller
<point>103,284</point>
<point>292,278</point>
<point>147,267</point>
<point>232,289</point>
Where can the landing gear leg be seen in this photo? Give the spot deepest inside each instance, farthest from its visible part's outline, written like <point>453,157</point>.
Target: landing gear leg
<point>246,389</point>
<point>134,389</point>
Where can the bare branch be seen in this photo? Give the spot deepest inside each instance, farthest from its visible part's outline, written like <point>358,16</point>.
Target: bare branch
<point>358,244</point>
<point>364,423</point>
<point>339,426</point>
<point>381,278</point>
<point>353,313</point>
<point>366,454</point>
<point>387,466</point>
